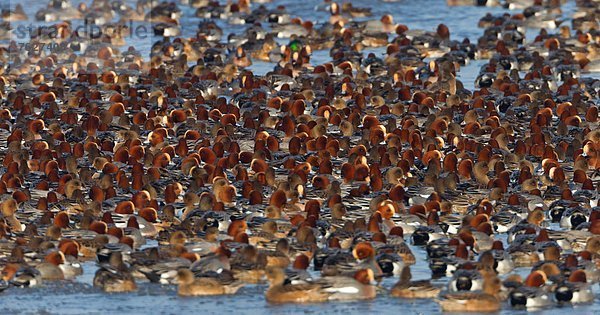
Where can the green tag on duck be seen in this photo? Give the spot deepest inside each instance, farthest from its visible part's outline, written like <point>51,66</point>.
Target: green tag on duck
<point>295,45</point>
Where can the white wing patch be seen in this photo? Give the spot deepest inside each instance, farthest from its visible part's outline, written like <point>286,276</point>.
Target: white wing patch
<point>346,290</point>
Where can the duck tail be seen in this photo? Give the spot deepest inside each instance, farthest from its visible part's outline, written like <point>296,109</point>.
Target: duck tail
<point>152,276</point>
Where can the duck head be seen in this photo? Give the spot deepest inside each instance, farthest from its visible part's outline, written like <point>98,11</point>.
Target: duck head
<point>363,251</point>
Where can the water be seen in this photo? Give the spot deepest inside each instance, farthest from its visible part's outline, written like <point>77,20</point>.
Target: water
<point>81,297</point>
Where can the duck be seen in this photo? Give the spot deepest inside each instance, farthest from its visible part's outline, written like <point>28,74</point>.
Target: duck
<point>5,30</point>
<point>9,209</point>
<point>164,11</point>
<point>465,280</point>
<point>143,225</point>
<point>575,290</point>
<point>167,28</point>
<point>130,13</point>
<point>98,15</point>
<point>364,253</point>
<point>410,289</point>
<point>355,12</point>
<point>211,283</point>
<point>297,272</point>
<point>55,267</point>
<point>18,14</point>
<point>57,10</point>
<point>384,24</point>
<point>281,292</point>
<point>391,262</point>
<point>21,275</point>
<point>336,16</point>
<point>501,262</point>
<point>241,59</point>
<point>248,265</point>
<point>114,276</point>
<point>216,261</point>
<point>539,17</point>
<point>532,294</point>
<point>572,217</point>
<point>151,265</point>
<point>430,232</point>
<point>484,301</point>
<point>343,288</point>
<point>279,257</point>
<point>210,31</point>
<point>223,190</point>
<point>213,10</point>
<point>447,265</point>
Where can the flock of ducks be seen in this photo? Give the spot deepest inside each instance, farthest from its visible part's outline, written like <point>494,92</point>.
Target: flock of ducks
<point>187,169</point>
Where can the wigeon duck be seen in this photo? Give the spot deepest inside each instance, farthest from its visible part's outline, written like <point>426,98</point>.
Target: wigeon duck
<point>210,31</point>
<point>298,272</point>
<point>98,14</point>
<point>384,24</point>
<point>131,13</point>
<point>335,11</point>
<point>364,253</point>
<point>248,264</point>
<point>279,257</point>
<point>206,284</point>
<point>440,248</point>
<point>51,269</point>
<point>59,9</point>
<point>143,225</point>
<point>9,209</point>
<point>572,217</point>
<point>217,261</point>
<point>575,290</point>
<point>501,261</point>
<point>151,265</point>
<point>411,289</point>
<point>484,301</point>
<point>465,280</point>
<point>447,265</point>
<point>188,156</point>
<point>167,28</point>
<point>430,232</point>
<point>209,11</point>
<point>164,11</point>
<point>390,262</point>
<point>280,292</point>
<point>18,14</point>
<point>533,293</point>
<point>355,12</point>
<point>21,276</point>
<point>358,287</point>
<point>241,58</point>
<point>114,276</point>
